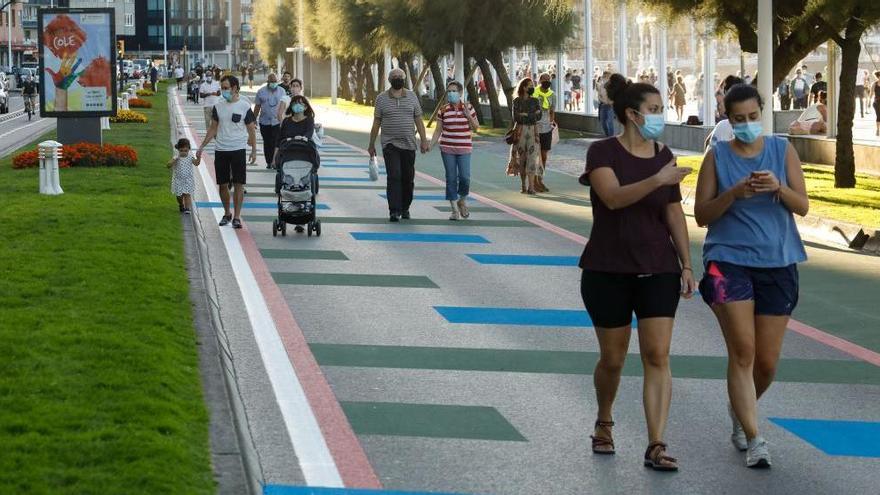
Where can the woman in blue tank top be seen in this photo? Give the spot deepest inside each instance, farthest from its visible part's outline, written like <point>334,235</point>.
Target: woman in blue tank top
<point>747,194</point>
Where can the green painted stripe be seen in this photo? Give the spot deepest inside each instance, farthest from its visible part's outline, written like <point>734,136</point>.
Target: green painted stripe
<point>414,221</point>
<point>579,363</point>
<point>354,280</point>
<point>430,420</point>
<point>477,209</point>
<point>303,254</point>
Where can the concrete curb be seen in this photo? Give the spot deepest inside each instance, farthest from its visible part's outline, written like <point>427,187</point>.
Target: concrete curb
<point>233,463</point>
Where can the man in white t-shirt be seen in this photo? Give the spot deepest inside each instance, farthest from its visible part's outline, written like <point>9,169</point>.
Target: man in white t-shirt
<point>178,74</point>
<point>209,92</point>
<point>233,125</point>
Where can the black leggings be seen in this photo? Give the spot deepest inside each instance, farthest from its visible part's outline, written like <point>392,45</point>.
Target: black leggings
<point>876,106</point>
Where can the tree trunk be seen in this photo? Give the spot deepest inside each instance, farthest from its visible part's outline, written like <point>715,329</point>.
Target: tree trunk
<point>473,93</point>
<point>494,105</point>
<point>405,62</point>
<point>845,163</point>
<point>360,82</point>
<point>372,87</point>
<point>438,77</point>
<point>344,70</point>
<point>506,84</point>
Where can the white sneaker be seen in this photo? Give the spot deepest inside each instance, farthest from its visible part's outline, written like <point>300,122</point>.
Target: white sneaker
<point>738,436</point>
<point>758,455</point>
<point>454,215</point>
<point>462,207</point>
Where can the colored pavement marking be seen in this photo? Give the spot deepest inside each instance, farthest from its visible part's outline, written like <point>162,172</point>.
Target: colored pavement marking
<point>417,221</point>
<point>836,437</point>
<point>428,197</point>
<point>405,237</point>
<point>252,205</point>
<point>429,420</point>
<point>476,209</point>
<point>303,254</point>
<point>830,371</point>
<point>344,179</point>
<point>314,490</point>
<point>354,280</point>
<point>344,165</point>
<point>517,316</point>
<point>518,259</point>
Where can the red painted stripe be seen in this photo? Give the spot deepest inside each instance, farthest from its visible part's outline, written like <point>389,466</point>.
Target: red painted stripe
<point>348,454</point>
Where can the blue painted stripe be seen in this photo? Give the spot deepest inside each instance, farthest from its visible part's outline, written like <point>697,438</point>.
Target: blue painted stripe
<point>428,197</point>
<point>406,237</point>
<point>314,490</point>
<point>381,171</point>
<point>264,206</point>
<point>835,437</point>
<point>524,259</point>
<point>516,316</point>
<point>344,179</point>
<point>344,165</point>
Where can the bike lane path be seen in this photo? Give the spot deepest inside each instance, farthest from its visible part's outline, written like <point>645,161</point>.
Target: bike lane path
<point>460,353</point>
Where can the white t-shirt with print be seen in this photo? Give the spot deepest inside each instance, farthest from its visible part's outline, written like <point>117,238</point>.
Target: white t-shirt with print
<point>233,119</point>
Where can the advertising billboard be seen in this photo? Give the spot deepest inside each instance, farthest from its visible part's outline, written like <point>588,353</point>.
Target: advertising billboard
<point>77,62</point>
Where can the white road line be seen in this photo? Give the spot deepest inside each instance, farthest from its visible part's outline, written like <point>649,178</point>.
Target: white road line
<point>316,462</point>
<point>21,128</point>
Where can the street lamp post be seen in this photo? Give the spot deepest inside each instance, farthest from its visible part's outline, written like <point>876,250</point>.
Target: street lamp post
<point>9,31</point>
<point>203,33</point>
<point>165,37</point>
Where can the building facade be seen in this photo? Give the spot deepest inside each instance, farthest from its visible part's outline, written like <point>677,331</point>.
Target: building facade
<point>11,16</point>
<point>186,39</point>
<point>125,12</point>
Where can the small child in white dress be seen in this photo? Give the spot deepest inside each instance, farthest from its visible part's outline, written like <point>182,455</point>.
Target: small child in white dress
<point>183,184</point>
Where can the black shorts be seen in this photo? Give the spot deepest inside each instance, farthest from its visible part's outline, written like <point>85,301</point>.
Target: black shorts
<point>546,139</point>
<point>860,91</point>
<point>774,290</point>
<point>612,298</point>
<point>231,166</point>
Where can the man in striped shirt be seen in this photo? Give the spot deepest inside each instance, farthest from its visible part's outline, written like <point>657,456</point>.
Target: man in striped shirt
<point>397,111</point>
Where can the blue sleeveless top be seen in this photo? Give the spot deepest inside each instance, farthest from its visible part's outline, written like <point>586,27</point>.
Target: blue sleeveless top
<point>760,231</point>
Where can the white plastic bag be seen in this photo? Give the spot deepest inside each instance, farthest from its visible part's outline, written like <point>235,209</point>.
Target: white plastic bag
<point>374,168</point>
<point>554,136</point>
<point>318,135</point>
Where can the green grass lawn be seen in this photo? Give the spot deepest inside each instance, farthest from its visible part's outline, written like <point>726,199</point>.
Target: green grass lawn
<point>860,205</point>
<point>486,131</point>
<point>99,382</point>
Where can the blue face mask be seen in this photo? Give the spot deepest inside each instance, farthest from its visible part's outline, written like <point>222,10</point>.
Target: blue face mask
<point>226,94</point>
<point>453,97</point>
<point>653,126</point>
<point>273,85</point>
<point>298,108</point>
<point>748,132</point>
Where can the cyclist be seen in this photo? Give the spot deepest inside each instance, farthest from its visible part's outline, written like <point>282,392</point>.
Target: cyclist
<point>29,93</point>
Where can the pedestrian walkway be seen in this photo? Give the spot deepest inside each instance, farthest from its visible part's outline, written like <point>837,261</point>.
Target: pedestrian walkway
<point>438,356</point>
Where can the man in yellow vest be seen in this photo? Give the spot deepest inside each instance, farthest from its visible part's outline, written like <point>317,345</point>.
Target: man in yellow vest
<point>547,99</point>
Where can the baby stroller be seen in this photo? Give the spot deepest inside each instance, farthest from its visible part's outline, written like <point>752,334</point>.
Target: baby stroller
<point>296,184</point>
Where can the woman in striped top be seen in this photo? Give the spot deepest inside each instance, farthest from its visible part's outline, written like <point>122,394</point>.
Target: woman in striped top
<point>455,122</point>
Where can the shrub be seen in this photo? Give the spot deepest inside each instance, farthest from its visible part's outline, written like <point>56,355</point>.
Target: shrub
<point>129,116</point>
<point>83,155</point>
<point>144,92</point>
<point>148,86</point>
<point>139,103</point>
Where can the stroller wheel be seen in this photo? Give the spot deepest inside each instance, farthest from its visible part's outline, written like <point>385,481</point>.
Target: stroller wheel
<point>284,228</point>
<point>275,228</point>
<point>311,229</point>
<point>318,228</point>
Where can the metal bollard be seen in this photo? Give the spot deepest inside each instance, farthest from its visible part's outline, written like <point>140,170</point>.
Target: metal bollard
<point>105,123</point>
<point>50,155</point>
<point>125,98</point>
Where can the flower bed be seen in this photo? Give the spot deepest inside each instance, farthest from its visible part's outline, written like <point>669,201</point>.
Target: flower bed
<point>83,155</point>
<point>129,116</point>
<point>144,92</point>
<point>139,103</point>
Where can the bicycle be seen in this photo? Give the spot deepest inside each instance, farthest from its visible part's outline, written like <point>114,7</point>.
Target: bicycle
<point>29,105</point>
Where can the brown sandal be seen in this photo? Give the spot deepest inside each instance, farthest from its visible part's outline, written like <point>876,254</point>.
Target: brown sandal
<point>656,458</point>
<point>605,444</point>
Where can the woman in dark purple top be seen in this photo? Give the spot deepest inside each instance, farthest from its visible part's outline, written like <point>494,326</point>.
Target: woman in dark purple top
<point>637,259</point>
